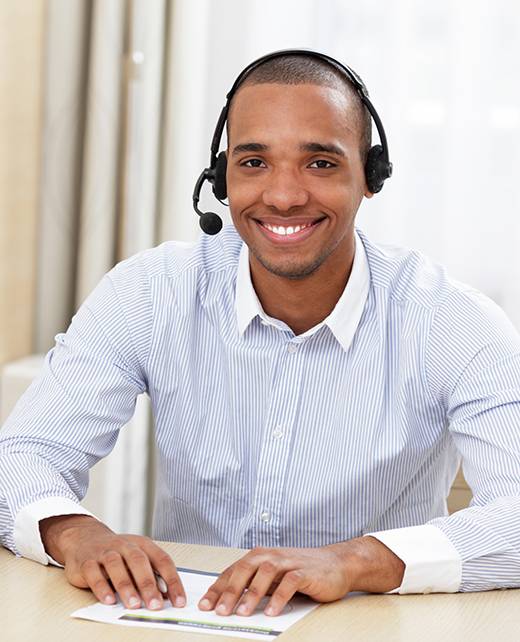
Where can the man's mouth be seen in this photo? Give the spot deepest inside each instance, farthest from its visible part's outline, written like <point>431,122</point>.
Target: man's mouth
<point>288,233</point>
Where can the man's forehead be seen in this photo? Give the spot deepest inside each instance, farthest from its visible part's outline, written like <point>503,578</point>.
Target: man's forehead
<point>250,95</point>
<point>258,106</point>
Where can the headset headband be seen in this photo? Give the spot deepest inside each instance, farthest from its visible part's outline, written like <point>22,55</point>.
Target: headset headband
<point>351,75</point>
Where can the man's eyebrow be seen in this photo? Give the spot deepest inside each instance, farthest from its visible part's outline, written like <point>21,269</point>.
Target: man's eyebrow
<point>329,148</point>
<point>250,147</point>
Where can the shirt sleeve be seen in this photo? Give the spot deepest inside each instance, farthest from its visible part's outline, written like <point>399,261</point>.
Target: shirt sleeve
<point>70,415</point>
<point>472,368</point>
<point>432,563</point>
<point>27,536</point>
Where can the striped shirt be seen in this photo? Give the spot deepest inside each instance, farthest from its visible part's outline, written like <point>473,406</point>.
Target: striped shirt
<point>267,438</point>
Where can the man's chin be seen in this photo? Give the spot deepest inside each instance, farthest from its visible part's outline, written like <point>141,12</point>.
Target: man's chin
<point>289,271</point>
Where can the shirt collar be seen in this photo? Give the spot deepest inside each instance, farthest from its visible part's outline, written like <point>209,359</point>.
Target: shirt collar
<point>342,321</point>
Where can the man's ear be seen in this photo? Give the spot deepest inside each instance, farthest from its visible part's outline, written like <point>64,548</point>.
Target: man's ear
<point>368,193</point>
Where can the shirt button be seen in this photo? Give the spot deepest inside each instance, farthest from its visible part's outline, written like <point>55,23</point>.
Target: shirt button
<point>278,433</point>
<point>265,516</point>
<point>292,347</point>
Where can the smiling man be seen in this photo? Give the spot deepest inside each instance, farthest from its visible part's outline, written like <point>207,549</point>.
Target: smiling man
<point>313,392</point>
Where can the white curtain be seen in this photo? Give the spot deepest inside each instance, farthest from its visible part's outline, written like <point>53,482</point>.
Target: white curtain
<point>442,76</point>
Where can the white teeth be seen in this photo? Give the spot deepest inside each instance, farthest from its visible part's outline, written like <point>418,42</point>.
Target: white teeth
<point>284,231</point>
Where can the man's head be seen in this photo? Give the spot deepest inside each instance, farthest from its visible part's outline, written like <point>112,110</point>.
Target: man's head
<point>298,136</point>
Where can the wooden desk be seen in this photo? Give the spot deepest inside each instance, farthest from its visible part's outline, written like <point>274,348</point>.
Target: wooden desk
<point>37,602</point>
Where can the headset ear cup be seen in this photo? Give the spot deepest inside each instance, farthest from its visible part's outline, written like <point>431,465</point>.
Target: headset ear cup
<point>219,182</point>
<point>375,169</point>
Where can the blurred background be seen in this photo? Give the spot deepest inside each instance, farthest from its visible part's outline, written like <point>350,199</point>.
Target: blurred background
<point>107,109</point>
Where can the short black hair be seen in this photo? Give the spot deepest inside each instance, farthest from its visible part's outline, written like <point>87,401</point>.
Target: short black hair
<point>297,69</point>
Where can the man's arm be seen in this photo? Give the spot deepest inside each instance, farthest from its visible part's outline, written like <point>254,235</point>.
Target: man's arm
<point>70,415</point>
<point>66,421</point>
<point>481,393</point>
<point>472,368</point>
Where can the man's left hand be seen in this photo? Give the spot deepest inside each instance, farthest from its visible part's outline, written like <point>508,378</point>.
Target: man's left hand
<point>320,573</point>
<point>325,574</point>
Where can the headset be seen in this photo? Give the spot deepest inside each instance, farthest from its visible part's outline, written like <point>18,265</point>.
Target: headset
<point>377,167</point>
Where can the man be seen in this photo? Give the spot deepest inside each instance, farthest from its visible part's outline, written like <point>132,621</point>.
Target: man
<point>312,391</point>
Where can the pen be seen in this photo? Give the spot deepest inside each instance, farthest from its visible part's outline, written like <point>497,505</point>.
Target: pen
<point>161,584</point>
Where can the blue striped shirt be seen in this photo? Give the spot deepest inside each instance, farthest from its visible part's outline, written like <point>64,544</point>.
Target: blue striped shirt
<point>266,438</point>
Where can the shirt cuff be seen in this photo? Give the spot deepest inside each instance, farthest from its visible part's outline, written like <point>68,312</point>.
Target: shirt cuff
<point>27,536</point>
<point>432,563</point>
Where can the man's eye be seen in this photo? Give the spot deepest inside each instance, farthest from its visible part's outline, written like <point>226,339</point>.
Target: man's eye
<point>256,162</point>
<point>251,160</point>
<point>323,166</point>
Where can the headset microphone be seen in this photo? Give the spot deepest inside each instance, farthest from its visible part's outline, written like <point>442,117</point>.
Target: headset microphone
<point>210,223</point>
<point>377,166</point>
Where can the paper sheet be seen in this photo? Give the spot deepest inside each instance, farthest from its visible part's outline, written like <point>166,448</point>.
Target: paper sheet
<point>256,626</point>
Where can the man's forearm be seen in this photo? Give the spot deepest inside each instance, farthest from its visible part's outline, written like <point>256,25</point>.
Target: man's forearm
<point>375,567</point>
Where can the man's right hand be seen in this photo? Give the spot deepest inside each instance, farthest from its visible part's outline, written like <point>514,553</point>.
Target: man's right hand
<point>97,558</point>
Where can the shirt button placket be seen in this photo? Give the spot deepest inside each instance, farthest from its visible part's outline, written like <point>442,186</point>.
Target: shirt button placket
<point>269,498</point>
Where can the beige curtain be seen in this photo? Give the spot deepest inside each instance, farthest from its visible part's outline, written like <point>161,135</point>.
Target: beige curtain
<point>122,94</point>
<point>84,86</point>
<point>21,41</point>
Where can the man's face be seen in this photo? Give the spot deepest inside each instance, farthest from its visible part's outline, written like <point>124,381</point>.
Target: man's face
<point>277,173</point>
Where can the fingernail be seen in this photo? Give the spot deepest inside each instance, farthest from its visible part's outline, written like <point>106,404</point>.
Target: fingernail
<point>242,609</point>
<point>205,603</point>
<point>163,587</point>
<point>155,604</point>
<point>269,610</point>
<point>134,602</point>
<point>109,599</point>
<point>221,608</point>
<point>180,601</point>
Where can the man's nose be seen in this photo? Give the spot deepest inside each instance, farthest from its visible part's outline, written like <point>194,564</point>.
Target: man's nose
<point>284,190</point>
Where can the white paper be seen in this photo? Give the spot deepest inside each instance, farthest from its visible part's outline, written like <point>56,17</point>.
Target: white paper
<point>256,626</point>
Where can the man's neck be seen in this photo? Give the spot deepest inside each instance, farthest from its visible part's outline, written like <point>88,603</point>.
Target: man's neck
<point>303,303</point>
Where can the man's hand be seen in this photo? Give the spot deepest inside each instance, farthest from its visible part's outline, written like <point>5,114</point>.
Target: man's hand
<point>325,574</point>
<point>94,556</point>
